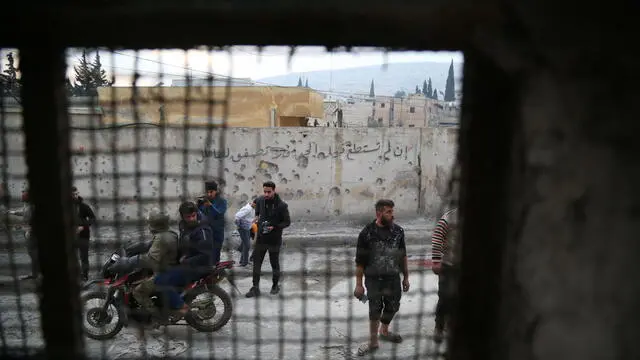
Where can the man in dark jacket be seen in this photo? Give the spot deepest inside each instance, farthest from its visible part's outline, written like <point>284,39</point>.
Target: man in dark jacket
<point>213,207</point>
<point>84,218</point>
<point>272,216</point>
<point>196,258</point>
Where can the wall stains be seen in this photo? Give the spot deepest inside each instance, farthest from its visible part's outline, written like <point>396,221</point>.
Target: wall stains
<point>303,162</point>
<point>335,191</point>
<point>268,166</point>
<point>367,193</point>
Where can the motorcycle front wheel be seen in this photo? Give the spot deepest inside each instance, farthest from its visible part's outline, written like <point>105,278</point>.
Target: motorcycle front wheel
<point>210,309</point>
<point>99,324</point>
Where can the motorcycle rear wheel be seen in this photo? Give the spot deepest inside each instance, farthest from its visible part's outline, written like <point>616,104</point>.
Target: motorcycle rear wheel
<point>95,315</point>
<point>193,319</point>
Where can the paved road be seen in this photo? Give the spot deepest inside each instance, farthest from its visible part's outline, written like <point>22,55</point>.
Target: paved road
<point>310,295</point>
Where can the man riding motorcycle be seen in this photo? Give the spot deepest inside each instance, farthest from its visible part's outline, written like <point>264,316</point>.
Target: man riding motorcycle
<point>196,250</point>
<point>162,254</point>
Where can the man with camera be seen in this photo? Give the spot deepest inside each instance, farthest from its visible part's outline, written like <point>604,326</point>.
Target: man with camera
<point>213,207</point>
<point>272,216</point>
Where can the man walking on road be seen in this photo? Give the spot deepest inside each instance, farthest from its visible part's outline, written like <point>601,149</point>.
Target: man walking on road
<point>443,245</point>
<point>381,256</point>
<point>272,217</point>
<point>84,218</point>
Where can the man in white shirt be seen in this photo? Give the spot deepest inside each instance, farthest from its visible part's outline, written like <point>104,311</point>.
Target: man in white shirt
<point>244,219</point>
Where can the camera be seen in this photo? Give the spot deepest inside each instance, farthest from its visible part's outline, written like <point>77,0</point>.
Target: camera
<point>201,200</point>
<point>265,227</point>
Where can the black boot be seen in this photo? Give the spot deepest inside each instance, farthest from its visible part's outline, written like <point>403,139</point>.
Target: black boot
<point>254,292</point>
<point>275,289</point>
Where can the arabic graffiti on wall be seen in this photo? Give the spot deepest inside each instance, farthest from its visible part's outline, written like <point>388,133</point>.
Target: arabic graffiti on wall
<point>347,151</point>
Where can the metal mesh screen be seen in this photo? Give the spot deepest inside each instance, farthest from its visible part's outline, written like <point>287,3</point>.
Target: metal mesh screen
<point>136,148</point>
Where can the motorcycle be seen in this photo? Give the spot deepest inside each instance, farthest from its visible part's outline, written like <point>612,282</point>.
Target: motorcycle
<point>115,305</point>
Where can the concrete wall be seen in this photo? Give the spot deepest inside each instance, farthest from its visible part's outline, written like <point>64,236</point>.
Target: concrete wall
<point>248,106</point>
<point>322,173</point>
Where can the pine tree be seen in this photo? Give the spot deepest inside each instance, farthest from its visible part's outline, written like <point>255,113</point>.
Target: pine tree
<point>98,75</point>
<point>69,87</point>
<point>299,81</point>
<point>306,83</point>
<point>9,80</point>
<point>449,90</point>
<point>84,84</point>
<point>418,90</point>
<point>429,89</point>
<point>372,92</point>
<point>424,89</point>
<point>435,94</point>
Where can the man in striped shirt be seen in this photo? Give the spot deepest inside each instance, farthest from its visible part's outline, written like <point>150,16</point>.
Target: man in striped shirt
<point>444,244</point>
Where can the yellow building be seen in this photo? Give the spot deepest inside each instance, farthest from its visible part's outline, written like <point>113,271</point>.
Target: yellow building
<point>243,106</point>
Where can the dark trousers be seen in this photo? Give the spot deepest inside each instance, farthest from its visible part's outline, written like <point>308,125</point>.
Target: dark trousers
<point>32,249</point>
<point>245,245</point>
<point>169,281</point>
<point>447,289</point>
<point>259,253</point>
<point>384,293</point>
<point>218,240</point>
<point>82,248</point>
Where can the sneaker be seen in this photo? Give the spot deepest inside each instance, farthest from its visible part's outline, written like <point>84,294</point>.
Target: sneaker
<point>275,289</point>
<point>254,292</point>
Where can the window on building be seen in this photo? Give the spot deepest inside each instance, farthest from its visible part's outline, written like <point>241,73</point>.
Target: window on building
<point>412,109</point>
<point>380,120</point>
<point>381,105</point>
<point>412,125</point>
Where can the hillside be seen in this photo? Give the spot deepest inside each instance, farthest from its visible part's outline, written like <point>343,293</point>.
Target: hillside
<point>397,76</point>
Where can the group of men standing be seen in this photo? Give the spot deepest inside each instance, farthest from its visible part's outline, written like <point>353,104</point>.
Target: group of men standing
<point>268,215</point>
<point>381,255</point>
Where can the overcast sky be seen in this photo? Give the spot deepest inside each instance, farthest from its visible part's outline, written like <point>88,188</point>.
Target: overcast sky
<point>244,62</point>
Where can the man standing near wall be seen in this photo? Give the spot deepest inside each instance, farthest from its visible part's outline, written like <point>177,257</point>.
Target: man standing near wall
<point>84,217</point>
<point>244,221</point>
<point>443,243</point>
<point>272,217</point>
<point>32,244</point>
<point>381,255</point>
<point>213,207</point>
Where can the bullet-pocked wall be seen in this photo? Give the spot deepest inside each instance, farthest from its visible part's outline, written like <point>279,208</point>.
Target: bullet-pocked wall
<point>323,173</point>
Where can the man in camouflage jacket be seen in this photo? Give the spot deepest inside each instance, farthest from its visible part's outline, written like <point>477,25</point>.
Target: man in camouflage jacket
<point>162,254</point>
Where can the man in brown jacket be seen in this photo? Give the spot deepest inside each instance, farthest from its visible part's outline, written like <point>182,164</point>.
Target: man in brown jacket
<point>162,254</point>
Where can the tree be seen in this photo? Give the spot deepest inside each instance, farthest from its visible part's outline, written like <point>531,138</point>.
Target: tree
<point>429,93</point>
<point>84,84</point>
<point>372,92</point>
<point>417,89</point>
<point>435,94</point>
<point>400,94</point>
<point>306,83</point>
<point>9,81</point>
<point>424,89</point>
<point>299,81</point>
<point>98,75</point>
<point>449,90</point>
